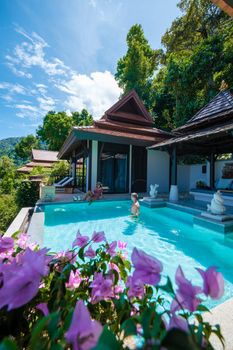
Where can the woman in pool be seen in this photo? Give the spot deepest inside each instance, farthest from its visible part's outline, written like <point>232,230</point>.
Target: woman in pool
<point>135,208</point>
<point>96,194</point>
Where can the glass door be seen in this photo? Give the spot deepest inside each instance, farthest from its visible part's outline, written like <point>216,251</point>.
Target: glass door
<point>113,168</point>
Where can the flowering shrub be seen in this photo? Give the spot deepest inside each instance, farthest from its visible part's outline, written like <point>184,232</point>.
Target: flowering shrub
<point>92,297</point>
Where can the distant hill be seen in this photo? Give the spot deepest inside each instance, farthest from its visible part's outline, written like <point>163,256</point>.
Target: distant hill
<point>7,148</point>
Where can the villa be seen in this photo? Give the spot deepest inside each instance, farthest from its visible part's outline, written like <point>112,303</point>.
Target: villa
<point>39,158</point>
<point>126,153</point>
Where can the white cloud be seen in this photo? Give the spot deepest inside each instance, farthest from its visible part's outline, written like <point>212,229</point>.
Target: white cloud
<point>13,88</point>
<point>31,53</point>
<point>27,107</point>
<point>45,103</point>
<point>96,92</point>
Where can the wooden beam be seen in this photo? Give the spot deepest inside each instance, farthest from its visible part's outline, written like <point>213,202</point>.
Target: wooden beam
<point>225,5</point>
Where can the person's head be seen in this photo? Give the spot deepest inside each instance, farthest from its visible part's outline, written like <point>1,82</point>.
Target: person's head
<point>99,185</point>
<point>134,197</point>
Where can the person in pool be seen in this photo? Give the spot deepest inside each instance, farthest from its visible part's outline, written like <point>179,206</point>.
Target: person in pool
<point>96,194</point>
<point>135,208</point>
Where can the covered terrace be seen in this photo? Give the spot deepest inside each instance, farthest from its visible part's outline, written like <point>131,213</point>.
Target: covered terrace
<point>209,134</point>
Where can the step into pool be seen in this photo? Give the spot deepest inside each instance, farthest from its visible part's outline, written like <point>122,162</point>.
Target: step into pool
<point>165,233</point>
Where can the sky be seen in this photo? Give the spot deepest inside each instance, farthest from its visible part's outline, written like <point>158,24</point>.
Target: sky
<point>62,54</point>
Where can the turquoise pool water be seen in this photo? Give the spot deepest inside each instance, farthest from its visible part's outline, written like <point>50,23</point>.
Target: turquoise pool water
<point>165,233</point>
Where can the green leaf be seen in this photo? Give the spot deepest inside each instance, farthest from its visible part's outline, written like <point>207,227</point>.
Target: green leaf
<point>129,327</point>
<point>37,331</point>
<point>168,287</point>
<point>202,308</point>
<point>107,341</point>
<point>8,344</point>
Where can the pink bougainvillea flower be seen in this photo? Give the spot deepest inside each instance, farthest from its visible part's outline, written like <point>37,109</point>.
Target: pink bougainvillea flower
<point>43,307</point>
<point>66,256</point>
<point>38,260</point>
<point>21,278</point>
<point>186,295</point>
<point>74,280</point>
<point>101,288</point>
<point>147,268</point>
<point>113,266</point>
<point>122,245</point>
<point>90,253</point>
<point>213,282</point>
<point>179,322</point>
<point>118,289</point>
<point>84,332</point>
<point>20,285</point>
<point>6,244</point>
<point>112,248</point>
<point>98,237</point>
<point>80,240</point>
<point>22,240</point>
<point>136,287</point>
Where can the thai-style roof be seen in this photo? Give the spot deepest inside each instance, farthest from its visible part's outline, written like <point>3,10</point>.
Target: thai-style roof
<point>209,130</point>
<point>221,106</point>
<point>126,122</point>
<point>44,155</point>
<point>41,158</point>
<point>225,5</point>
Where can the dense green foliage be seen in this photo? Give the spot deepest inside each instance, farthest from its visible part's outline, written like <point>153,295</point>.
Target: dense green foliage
<point>27,193</point>
<point>7,148</point>
<point>59,170</point>
<point>197,56</point>
<point>8,210</point>
<point>57,126</point>
<point>23,148</point>
<point>8,183</point>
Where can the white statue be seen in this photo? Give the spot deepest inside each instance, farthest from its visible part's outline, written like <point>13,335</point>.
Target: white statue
<point>216,207</point>
<point>153,190</point>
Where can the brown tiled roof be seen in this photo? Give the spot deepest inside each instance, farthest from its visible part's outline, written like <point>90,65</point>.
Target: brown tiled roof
<point>44,156</point>
<point>42,164</point>
<point>126,122</point>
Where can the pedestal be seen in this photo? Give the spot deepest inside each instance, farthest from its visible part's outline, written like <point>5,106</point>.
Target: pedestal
<point>173,196</point>
<point>220,218</point>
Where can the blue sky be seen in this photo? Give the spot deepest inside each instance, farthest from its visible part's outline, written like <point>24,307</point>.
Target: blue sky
<point>62,54</point>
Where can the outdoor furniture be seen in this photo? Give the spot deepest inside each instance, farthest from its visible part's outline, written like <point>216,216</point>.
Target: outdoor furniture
<point>61,181</point>
<point>64,183</point>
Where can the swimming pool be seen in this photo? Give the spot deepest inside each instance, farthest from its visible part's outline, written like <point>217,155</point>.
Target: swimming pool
<point>165,233</point>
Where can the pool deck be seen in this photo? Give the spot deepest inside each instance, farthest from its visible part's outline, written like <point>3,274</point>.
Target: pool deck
<point>222,315</point>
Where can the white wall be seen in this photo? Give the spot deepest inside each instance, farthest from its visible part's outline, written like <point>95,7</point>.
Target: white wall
<point>94,165</point>
<point>196,175</point>
<point>158,170</point>
<point>187,175</point>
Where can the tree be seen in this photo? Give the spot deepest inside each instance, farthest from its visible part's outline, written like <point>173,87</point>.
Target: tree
<point>83,118</point>
<point>57,126</point>
<point>24,147</point>
<point>55,129</point>
<point>135,70</point>
<point>198,56</point>
<point>6,167</point>
<point>7,175</point>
